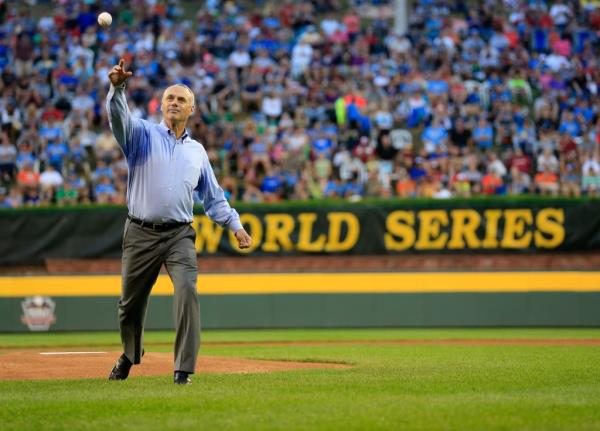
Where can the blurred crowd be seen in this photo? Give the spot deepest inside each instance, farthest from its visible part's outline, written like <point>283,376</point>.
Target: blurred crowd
<point>309,99</point>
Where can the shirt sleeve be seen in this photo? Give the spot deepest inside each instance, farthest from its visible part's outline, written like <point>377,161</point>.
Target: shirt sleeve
<point>213,199</point>
<point>122,124</point>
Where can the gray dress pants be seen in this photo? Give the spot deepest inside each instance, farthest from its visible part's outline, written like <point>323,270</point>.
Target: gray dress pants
<point>144,252</point>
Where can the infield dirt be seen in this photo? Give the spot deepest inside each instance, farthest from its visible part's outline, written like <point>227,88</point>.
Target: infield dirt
<point>47,365</point>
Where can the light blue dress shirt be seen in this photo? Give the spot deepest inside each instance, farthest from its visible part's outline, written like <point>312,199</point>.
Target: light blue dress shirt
<point>164,171</point>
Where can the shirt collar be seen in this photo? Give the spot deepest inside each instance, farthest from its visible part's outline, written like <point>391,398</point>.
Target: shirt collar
<point>171,133</point>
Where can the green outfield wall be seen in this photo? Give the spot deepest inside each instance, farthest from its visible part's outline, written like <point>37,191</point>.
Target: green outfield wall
<point>76,303</point>
<point>331,311</point>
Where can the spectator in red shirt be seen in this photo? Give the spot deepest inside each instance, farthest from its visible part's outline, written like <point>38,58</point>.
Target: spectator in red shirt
<point>566,145</point>
<point>521,161</point>
<point>546,182</point>
<point>352,23</point>
<point>491,183</point>
<point>27,178</point>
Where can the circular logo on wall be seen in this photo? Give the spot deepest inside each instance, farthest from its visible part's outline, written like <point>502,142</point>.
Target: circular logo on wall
<point>38,313</point>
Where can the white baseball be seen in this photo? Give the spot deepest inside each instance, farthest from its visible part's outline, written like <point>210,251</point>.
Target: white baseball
<point>104,19</point>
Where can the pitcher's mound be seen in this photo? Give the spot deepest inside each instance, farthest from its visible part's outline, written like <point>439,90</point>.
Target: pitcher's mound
<point>31,365</point>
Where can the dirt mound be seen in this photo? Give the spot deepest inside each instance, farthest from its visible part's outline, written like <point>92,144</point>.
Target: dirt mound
<point>46,365</point>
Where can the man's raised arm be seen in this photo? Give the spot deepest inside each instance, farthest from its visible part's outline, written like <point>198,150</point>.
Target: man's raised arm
<point>119,116</point>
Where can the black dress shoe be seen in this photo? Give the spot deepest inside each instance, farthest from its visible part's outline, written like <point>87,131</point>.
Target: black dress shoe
<point>181,378</point>
<point>121,368</point>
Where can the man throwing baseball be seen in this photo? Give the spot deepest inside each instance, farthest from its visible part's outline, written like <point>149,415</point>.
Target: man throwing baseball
<point>165,167</point>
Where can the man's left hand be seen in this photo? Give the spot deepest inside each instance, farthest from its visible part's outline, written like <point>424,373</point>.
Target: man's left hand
<point>244,240</point>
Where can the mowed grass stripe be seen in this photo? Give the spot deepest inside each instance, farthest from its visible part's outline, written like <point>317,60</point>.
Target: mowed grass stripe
<point>235,284</point>
<point>165,338</point>
<point>389,388</point>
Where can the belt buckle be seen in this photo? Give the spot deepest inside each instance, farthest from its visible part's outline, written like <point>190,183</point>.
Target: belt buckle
<point>147,224</point>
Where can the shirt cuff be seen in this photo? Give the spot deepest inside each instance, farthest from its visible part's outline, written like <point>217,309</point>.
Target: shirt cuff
<point>235,225</point>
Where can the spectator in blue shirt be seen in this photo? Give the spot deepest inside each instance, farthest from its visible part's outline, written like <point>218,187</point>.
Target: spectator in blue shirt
<point>483,134</point>
<point>272,186</point>
<point>569,124</point>
<point>102,170</point>
<point>354,189</point>
<point>584,113</point>
<point>56,152</point>
<point>333,188</point>
<point>434,136</point>
<point>105,191</point>
<point>25,156</point>
<point>51,130</point>
<point>322,144</point>
<point>417,171</point>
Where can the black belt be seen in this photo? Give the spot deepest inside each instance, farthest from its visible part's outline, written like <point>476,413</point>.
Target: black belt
<point>158,226</point>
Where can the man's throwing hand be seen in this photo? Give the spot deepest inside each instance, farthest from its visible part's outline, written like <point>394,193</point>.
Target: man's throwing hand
<point>118,75</point>
<point>244,240</point>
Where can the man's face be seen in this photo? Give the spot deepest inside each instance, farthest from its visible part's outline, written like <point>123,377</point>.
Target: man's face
<point>176,104</point>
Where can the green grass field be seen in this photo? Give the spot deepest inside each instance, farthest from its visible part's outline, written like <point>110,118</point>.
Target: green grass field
<point>394,387</point>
